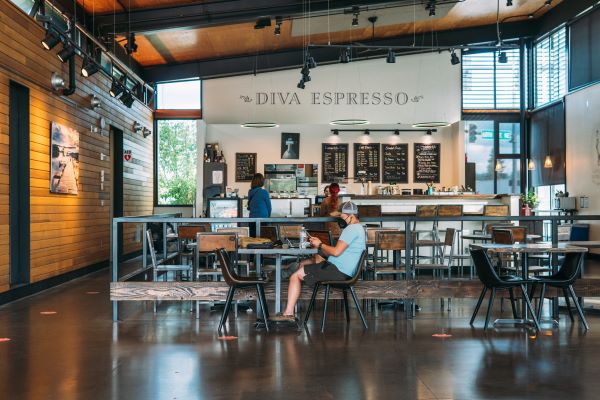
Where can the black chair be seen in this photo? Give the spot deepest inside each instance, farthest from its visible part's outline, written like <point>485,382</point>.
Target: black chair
<point>563,279</point>
<point>491,280</point>
<point>345,286</point>
<point>235,281</point>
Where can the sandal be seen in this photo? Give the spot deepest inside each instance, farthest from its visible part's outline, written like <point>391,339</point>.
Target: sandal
<point>280,317</point>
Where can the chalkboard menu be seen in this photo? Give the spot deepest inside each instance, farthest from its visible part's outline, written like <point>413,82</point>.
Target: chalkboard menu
<point>366,161</point>
<point>395,163</point>
<point>427,162</point>
<point>335,162</point>
<point>245,166</point>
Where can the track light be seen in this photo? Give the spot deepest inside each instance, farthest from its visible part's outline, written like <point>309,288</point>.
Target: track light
<point>454,60</point>
<point>355,13</point>
<point>127,99</point>
<point>336,132</point>
<point>57,82</point>
<point>278,21</point>
<point>431,7</point>
<point>391,57</point>
<point>50,40</point>
<point>397,132</point>
<point>131,46</point>
<point>502,59</point>
<point>311,62</point>
<point>146,132</point>
<point>345,55</point>
<point>548,3</point>
<point>116,88</point>
<point>509,3</point>
<point>429,132</point>
<point>301,84</point>
<point>367,132</point>
<point>89,68</point>
<point>66,53</point>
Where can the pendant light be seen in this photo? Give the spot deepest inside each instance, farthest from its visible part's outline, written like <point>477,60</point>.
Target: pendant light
<point>498,166</point>
<point>548,162</point>
<point>531,165</point>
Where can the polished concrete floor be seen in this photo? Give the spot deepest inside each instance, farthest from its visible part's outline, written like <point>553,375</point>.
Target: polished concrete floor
<point>63,345</point>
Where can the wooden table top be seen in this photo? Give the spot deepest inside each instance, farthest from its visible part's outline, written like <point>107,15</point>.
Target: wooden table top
<point>481,236</point>
<point>290,251</point>
<point>585,243</point>
<point>530,248</point>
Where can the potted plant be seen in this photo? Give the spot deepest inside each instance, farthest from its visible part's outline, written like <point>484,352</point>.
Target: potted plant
<point>530,201</point>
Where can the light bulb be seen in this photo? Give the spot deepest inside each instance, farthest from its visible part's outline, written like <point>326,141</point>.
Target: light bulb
<point>531,165</point>
<point>498,166</point>
<point>548,162</point>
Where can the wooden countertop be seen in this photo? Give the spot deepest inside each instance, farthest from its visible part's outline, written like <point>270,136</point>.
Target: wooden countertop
<point>426,197</point>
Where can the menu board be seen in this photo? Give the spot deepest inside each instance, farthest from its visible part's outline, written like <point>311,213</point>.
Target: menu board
<point>245,166</point>
<point>395,163</point>
<point>366,161</point>
<point>427,162</point>
<point>335,162</point>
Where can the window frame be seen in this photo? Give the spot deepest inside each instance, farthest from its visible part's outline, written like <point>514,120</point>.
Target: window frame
<point>498,118</point>
<point>155,147</point>
<point>183,111</point>
<point>534,67</point>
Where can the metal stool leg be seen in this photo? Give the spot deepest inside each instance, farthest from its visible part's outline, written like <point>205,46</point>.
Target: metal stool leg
<point>489,310</point>
<point>481,297</point>
<point>346,305</point>
<point>226,309</point>
<point>327,288</point>
<point>362,317</point>
<point>311,305</point>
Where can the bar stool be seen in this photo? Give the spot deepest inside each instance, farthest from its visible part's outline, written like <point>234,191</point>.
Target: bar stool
<point>345,286</point>
<point>455,210</point>
<point>434,243</point>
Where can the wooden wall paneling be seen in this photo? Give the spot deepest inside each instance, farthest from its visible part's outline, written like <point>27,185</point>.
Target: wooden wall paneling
<point>67,232</point>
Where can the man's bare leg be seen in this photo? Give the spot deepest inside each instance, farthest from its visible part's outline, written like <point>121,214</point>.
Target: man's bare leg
<point>294,290</point>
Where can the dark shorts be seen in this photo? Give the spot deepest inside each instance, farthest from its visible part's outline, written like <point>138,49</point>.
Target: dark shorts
<point>323,271</point>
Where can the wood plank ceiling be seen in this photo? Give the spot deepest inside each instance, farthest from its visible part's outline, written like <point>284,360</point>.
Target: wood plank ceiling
<point>173,46</point>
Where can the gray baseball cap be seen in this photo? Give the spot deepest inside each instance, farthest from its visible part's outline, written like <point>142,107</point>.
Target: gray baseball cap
<point>349,208</point>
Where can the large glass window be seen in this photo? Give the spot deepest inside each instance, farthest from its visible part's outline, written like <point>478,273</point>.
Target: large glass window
<point>493,149</point>
<point>176,165</point>
<point>181,95</point>
<point>551,67</point>
<point>489,84</point>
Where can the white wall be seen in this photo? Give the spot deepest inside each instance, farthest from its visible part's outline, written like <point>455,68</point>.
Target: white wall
<point>583,150</point>
<point>266,143</point>
<point>427,87</point>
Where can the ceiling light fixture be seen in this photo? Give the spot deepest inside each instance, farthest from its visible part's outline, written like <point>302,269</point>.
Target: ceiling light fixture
<point>278,21</point>
<point>429,132</point>
<point>355,13</point>
<point>50,40</point>
<point>502,58</point>
<point>301,84</point>
<point>131,46</point>
<point>428,125</point>
<point>335,132</point>
<point>498,167</point>
<point>367,132</point>
<point>89,68</point>
<point>352,121</point>
<point>531,165</point>
<point>548,3</point>
<point>548,162</point>
<point>310,61</point>
<point>454,60</point>
<point>431,7</point>
<point>345,55</point>
<point>259,125</point>
<point>66,53</point>
<point>397,132</point>
<point>262,23</point>
<point>391,57</point>
<point>509,3</point>
<point>127,99</point>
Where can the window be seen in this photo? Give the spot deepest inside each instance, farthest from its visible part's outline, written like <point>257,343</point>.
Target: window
<point>550,55</point>
<point>493,148</point>
<point>176,166</point>
<point>183,95</point>
<point>489,84</point>
<point>25,5</point>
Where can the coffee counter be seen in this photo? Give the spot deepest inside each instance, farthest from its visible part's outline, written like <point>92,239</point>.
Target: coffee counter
<point>405,205</point>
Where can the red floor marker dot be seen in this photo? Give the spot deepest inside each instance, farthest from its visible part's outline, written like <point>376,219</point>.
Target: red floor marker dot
<point>228,337</point>
<point>4,339</point>
<point>441,335</point>
<point>47,312</point>
<point>92,292</point>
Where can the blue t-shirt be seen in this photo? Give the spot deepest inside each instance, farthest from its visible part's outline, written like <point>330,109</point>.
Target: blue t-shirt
<point>354,236</point>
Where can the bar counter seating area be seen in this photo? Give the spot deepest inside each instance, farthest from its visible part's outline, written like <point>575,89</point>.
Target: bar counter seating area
<point>250,199</point>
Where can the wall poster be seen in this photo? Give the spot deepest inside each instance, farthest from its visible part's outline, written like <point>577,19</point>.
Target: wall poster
<point>64,159</point>
<point>290,146</point>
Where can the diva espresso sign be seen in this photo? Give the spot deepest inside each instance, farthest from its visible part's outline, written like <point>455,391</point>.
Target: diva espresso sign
<point>331,98</point>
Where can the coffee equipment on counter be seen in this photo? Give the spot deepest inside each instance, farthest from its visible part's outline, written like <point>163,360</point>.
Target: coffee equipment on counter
<point>292,179</point>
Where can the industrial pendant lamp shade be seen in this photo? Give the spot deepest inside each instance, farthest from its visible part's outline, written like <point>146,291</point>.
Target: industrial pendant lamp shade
<point>548,162</point>
<point>391,57</point>
<point>531,165</point>
<point>498,167</point>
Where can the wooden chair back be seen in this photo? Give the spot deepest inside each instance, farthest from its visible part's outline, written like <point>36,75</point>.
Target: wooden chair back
<point>495,211</point>
<point>369,210</point>
<point>188,232</point>
<point>242,231</point>
<point>269,232</point>
<point>324,236</point>
<point>519,233</point>
<point>391,240</point>
<point>502,236</point>
<point>450,210</point>
<point>371,233</point>
<point>449,238</point>
<point>208,242</point>
<point>490,227</point>
<point>289,231</point>
<point>426,211</point>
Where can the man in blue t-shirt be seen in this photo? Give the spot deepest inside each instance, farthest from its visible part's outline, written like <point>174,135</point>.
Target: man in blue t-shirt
<point>341,263</point>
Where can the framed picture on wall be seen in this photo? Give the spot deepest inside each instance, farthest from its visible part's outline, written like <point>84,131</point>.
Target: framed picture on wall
<point>64,159</point>
<point>290,146</point>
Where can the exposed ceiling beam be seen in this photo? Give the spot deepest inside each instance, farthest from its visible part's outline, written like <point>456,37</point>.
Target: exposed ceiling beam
<point>207,69</point>
<point>215,13</point>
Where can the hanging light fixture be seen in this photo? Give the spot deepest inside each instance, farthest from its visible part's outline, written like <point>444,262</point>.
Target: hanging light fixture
<point>502,58</point>
<point>89,68</point>
<point>391,57</point>
<point>454,60</point>
<point>345,55</point>
<point>498,167</point>
<point>66,53</point>
<point>116,87</point>
<point>355,13</point>
<point>548,162</point>
<point>50,40</point>
<point>531,165</point>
